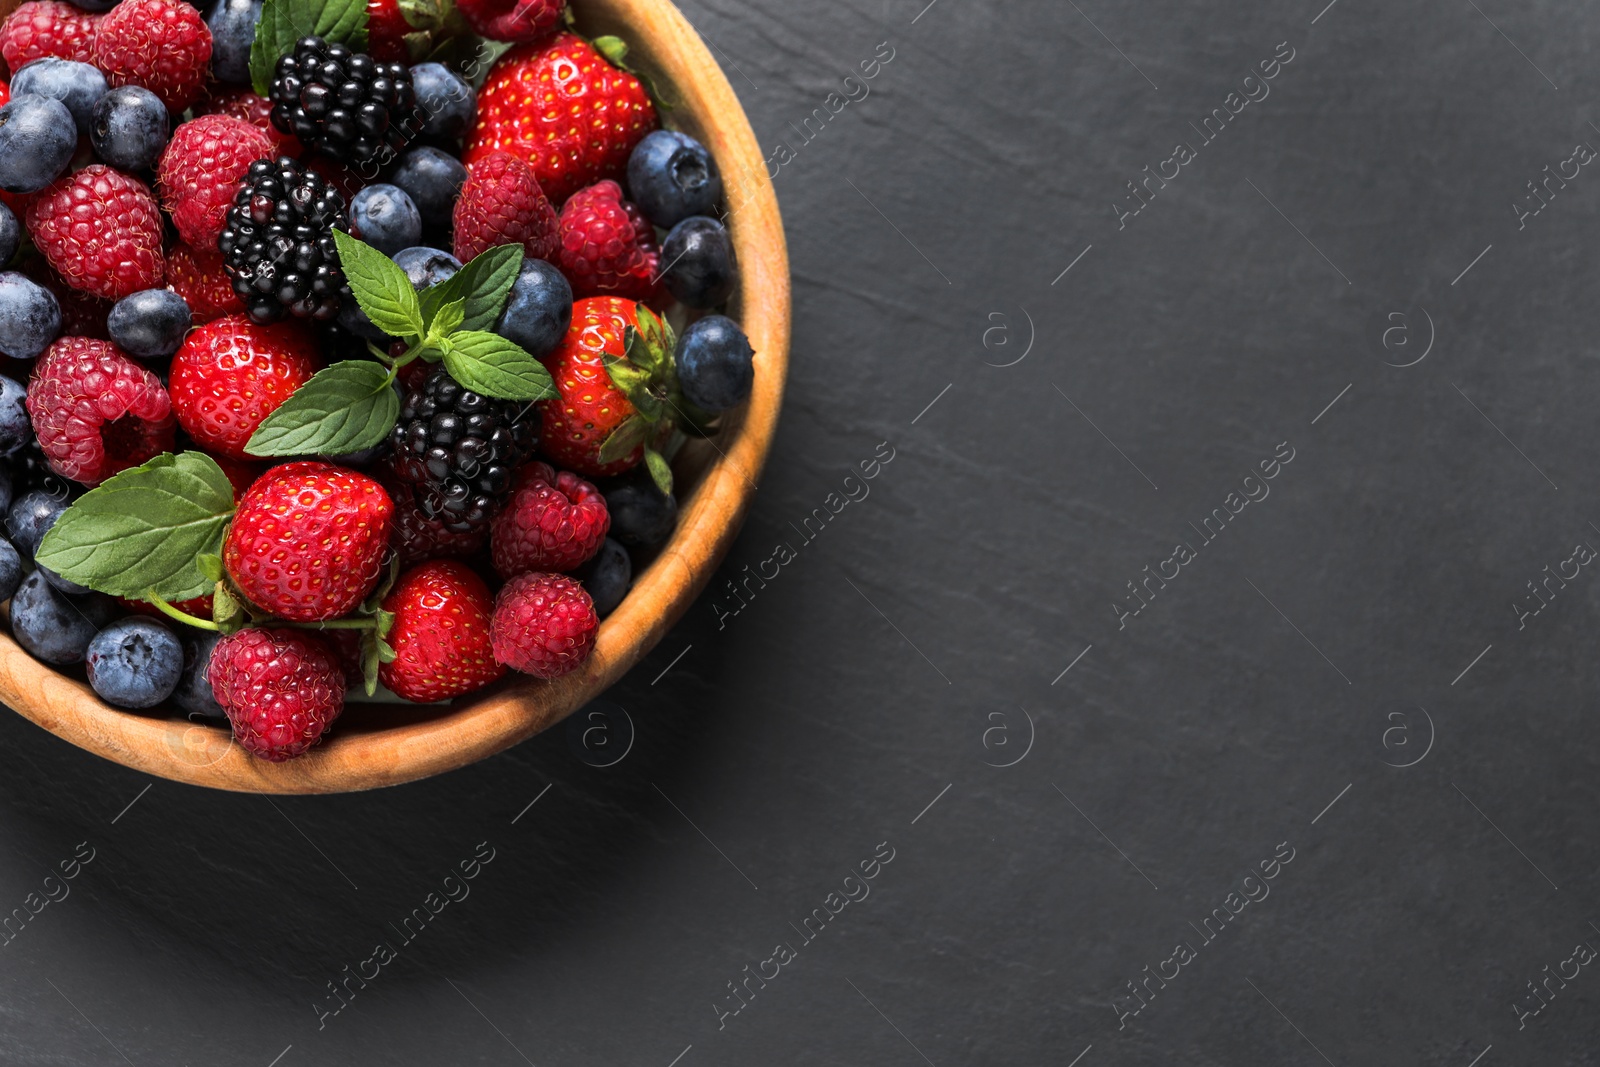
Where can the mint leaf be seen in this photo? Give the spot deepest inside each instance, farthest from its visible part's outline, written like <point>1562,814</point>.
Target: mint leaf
<point>489,364</point>
<point>343,408</point>
<point>144,529</point>
<point>380,287</point>
<point>483,285</point>
<point>448,319</point>
<point>283,22</point>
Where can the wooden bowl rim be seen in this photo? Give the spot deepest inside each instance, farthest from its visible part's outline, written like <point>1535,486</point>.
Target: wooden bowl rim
<point>663,43</point>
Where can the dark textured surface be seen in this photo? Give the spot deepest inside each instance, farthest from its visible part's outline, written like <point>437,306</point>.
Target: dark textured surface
<point>894,656</point>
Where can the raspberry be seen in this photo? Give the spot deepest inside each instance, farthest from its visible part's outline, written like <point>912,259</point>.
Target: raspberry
<point>544,625</point>
<point>501,203</point>
<point>42,28</point>
<point>418,538</point>
<point>163,45</point>
<point>459,450</point>
<point>280,688</point>
<point>238,101</point>
<point>552,522</point>
<point>100,230</point>
<point>308,540</point>
<point>200,170</point>
<point>441,633</point>
<point>608,247</point>
<point>196,274</point>
<point>344,103</point>
<point>230,374</point>
<point>277,243</point>
<point>96,411</point>
<point>512,20</point>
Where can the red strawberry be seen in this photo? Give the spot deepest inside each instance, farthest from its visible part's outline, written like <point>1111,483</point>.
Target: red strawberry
<point>440,634</point>
<point>163,45</point>
<point>544,625</point>
<point>501,203</point>
<point>240,102</point>
<point>559,105</point>
<point>607,245</point>
<point>386,32</point>
<point>231,373</point>
<point>308,540</point>
<point>280,688</point>
<point>100,230</point>
<point>96,411</point>
<point>196,274</point>
<point>551,522</point>
<point>589,406</point>
<point>200,169</point>
<point>42,28</point>
<point>512,20</point>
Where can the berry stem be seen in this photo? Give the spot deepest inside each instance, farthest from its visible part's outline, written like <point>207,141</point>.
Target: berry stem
<point>182,616</point>
<point>332,624</point>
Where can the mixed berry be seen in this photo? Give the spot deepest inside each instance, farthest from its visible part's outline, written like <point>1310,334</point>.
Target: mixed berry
<point>337,359</point>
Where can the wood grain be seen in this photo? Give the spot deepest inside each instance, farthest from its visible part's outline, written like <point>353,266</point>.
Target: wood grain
<point>376,745</point>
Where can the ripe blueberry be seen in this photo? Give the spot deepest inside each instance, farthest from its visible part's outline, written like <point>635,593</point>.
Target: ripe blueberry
<point>672,176</point>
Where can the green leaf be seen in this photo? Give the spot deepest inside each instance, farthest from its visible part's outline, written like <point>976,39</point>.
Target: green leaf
<point>659,470</point>
<point>615,49</point>
<point>144,529</point>
<point>483,285</point>
<point>225,608</point>
<point>343,408</point>
<point>634,382</point>
<point>380,287</point>
<point>210,565</point>
<point>448,318</point>
<point>283,22</point>
<point>624,439</point>
<point>489,364</point>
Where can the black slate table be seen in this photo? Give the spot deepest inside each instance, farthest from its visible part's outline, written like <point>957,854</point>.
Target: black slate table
<point>1206,674</point>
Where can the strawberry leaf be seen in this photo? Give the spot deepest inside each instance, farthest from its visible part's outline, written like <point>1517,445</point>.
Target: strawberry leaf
<point>381,288</point>
<point>283,22</point>
<point>144,529</point>
<point>489,364</point>
<point>660,472</point>
<point>625,439</point>
<point>343,408</point>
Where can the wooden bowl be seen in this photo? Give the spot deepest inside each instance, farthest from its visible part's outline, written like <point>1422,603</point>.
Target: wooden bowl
<point>376,745</point>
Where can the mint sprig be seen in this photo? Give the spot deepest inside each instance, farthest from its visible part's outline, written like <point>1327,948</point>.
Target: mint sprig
<point>283,22</point>
<point>352,405</point>
<point>343,408</point>
<point>145,529</point>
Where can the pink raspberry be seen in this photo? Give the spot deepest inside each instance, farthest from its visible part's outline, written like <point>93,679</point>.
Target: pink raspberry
<point>196,274</point>
<point>163,45</point>
<point>608,247</point>
<point>96,411</point>
<point>200,169</point>
<point>512,20</point>
<point>42,28</point>
<point>552,522</point>
<point>543,625</point>
<point>100,230</point>
<point>501,203</point>
<point>281,689</point>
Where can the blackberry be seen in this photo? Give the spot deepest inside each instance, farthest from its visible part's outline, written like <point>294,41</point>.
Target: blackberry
<point>343,103</point>
<point>277,242</point>
<point>459,449</point>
